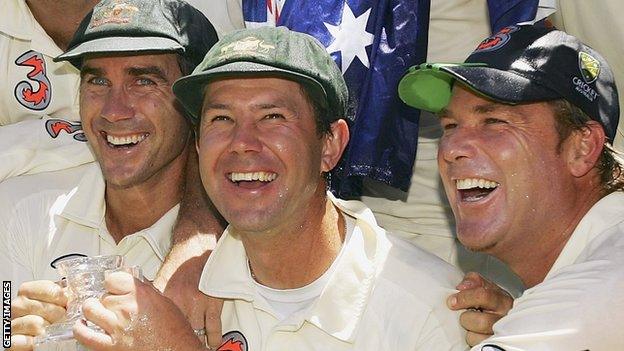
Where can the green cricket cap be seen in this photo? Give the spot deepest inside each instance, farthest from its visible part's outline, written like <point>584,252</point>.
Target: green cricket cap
<point>142,26</point>
<point>272,52</point>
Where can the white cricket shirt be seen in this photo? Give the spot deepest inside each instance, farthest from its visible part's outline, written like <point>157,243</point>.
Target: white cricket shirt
<point>385,294</point>
<point>47,216</point>
<point>580,303</point>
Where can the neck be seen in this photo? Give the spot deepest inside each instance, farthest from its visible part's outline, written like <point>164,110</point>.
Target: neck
<point>60,18</point>
<point>299,255</point>
<point>533,258</point>
<point>134,208</point>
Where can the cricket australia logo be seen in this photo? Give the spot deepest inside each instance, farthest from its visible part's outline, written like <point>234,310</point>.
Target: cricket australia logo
<point>589,66</point>
<point>34,93</point>
<point>590,69</point>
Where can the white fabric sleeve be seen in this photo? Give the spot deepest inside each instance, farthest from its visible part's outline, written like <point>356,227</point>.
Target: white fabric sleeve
<point>41,145</point>
<point>579,308</point>
<point>15,246</point>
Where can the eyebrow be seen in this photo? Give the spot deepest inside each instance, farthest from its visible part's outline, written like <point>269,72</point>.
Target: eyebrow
<point>134,71</point>
<point>221,106</point>
<point>482,108</point>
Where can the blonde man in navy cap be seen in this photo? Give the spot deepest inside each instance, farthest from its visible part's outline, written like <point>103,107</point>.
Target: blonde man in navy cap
<point>528,167</point>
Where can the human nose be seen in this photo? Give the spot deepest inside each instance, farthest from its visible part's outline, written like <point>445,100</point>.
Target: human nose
<point>245,138</point>
<point>460,144</point>
<point>117,106</point>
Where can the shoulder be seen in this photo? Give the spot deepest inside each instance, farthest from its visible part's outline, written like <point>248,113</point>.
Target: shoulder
<point>410,266</point>
<point>41,188</point>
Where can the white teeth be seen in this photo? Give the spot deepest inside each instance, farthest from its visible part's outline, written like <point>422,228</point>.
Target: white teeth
<point>470,183</point>
<point>125,140</point>
<point>249,176</point>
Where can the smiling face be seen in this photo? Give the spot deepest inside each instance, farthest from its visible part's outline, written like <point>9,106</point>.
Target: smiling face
<point>503,172</point>
<point>261,158</point>
<point>129,115</point>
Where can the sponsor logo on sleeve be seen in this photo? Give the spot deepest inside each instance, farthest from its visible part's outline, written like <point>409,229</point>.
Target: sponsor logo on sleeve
<point>233,341</point>
<point>36,92</point>
<point>54,127</point>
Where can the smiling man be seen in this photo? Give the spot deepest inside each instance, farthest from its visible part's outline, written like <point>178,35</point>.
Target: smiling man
<point>305,271</point>
<point>129,54</point>
<point>528,168</point>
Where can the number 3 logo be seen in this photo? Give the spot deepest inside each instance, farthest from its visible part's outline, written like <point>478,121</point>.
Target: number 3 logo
<point>33,97</point>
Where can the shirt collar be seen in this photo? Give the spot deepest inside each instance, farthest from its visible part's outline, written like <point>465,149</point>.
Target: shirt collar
<point>605,213</point>
<point>21,24</point>
<point>339,309</point>
<point>87,206</point>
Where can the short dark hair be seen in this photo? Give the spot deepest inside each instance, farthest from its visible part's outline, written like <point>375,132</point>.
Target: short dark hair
<point>568,119</point>
<point>321,113</point>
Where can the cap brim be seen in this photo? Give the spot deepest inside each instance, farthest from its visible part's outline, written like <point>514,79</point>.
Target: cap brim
<point>428,87</point>
<point>190,89</point>
<point>120,45</point>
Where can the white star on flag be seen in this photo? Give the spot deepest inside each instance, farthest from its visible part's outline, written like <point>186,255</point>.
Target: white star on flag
<point>350,37</point>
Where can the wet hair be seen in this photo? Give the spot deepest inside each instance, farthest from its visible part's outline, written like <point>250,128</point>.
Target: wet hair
<point>568,119</point>
<point>322,116</point>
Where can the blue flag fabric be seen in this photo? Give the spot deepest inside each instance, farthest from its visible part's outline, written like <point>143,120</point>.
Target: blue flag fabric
<point>373,42</point>
<point>509,12</point>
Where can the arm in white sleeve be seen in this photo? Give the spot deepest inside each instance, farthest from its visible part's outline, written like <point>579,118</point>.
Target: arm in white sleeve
<point>41,145</point>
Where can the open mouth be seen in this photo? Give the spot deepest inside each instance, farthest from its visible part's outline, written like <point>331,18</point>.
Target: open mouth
<point>475,189</point>
<point>251,180</point>
<point>126,141</point>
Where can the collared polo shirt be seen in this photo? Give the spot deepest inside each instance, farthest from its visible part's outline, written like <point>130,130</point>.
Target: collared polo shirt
<point>385,294</point>
<point>580,303</point>
<point>45,217</point>
<point>39,120</point>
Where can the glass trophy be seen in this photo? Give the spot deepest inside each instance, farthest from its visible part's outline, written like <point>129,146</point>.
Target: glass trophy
<point>84,277</point>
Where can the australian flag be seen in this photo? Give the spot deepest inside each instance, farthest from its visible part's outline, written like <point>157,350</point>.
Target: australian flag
<point>373,42</point>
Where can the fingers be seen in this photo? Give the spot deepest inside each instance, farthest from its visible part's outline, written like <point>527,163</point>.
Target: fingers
<point>119,283</point>
<point>96,313</point>
<point>473,339</point>
<point>91,339</point>
<point>43,290</point>
<point>21,342</point>
<point>486,298</point>
<point>478,322</point>
<point>213,321</point>
<point>23,306</point>
<point>471,280</point>
<point>32,325</point>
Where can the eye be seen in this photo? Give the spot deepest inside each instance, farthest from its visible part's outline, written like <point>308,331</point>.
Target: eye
<point>220,119</point>
<point>98,81</point>
<point>274,116</point>
<point>493,120</point>
<point>449,126</point>
<point>145,81</point>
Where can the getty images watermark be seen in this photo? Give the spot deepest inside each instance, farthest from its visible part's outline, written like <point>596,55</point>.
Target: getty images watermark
<point>6,314</point>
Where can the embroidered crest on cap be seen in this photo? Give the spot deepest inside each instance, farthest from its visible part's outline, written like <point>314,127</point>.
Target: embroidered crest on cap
<point>589,66</point>
<point>496,41</point>
<point>246,46</point>
<point>117,12</point>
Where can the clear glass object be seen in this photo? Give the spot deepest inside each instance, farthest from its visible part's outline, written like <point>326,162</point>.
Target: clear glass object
<point>84,277</point>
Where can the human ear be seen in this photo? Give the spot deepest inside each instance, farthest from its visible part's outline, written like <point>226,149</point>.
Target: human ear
<point>334,144</point>
<point>583,148</point>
